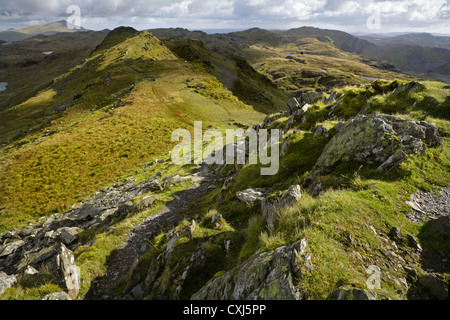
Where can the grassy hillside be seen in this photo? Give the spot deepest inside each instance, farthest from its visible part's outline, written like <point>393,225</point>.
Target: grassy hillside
<point>414,55</point>
<point>28,32</point>
<point>94,130</point>
<point>110,114</point>
<point>234,72</point>
<point>387,61</point>
<point>346,227</point>
<point>311,64</point>
<point>411,58</point>
<point>25,60</point>
<point>424,39</point>
<point>299,59</point>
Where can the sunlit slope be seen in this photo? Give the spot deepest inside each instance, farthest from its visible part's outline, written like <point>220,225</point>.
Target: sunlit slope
<point>102,119</point>
<point>30,65</point>
<point>301,59</point>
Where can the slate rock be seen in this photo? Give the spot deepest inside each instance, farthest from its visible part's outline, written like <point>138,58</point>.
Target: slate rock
<point>57,296</point>
<point>346,293</point>
<point>6,281</point>
<point>252,196</point>
<point>435,284</point>
<point>376,139</point>
<point>266,276</point>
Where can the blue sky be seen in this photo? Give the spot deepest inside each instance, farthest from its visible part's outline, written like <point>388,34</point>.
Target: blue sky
<point>395,16</point>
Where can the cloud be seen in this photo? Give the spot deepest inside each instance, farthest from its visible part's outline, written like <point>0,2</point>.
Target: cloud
<point>347,14</point>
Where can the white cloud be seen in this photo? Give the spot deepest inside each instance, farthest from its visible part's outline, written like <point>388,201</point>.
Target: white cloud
<point>346,14</point>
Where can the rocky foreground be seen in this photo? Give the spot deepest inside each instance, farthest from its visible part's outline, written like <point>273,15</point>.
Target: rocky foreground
<point>382,140</point>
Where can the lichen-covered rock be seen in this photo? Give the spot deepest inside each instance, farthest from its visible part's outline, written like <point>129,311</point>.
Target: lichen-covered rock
<point>270,207</point>
<point>293,106</point>
<point>38,257</point>
<point>289,123</point>
<point>321,131</point>
<point>291,196</point>
<point>6,281</point>
<point>70,272</point>
<point>345,293</point>
<point>68,235</point>
<point>266,276</point>
<point>436,284</point>
<point>298,106</point>
<point>409,87</point>
<point>57,296</point>
<point>284,147</point>
<point>10,248</point>
<point>252,196</point>
<point>376,139</point>
<point>216,218</point>
<point>315,188</point>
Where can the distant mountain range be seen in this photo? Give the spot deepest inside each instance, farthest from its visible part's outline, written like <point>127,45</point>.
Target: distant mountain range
<point>28,32</point>
<point>420,54</point>
<point>422,39</point>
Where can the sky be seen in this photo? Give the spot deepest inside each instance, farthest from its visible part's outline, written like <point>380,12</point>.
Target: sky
<point>366,16</point>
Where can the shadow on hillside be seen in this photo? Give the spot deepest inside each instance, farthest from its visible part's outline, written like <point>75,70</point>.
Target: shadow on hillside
<point>434,258</point>
<point>120,261</point>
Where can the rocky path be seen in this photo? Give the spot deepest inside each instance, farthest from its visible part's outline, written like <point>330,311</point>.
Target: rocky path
<point>429,205</point>
<point>136,243</point>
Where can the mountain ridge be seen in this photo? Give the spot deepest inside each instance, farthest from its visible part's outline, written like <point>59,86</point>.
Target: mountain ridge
<point>342,40</point>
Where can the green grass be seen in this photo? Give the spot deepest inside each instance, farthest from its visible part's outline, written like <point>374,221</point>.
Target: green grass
<point>33,287</point>
<point>360,201</point>
<point>98,141</point>
<point>430,102</point>
<point>68,49</point>
<point>95,141</point>
<point>32,294</point>
<point>357,199</point>
<point>234,72</point>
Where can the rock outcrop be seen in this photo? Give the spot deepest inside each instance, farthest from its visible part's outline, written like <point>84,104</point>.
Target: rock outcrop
<point>253,196</point>
<point>270,207</point>
<point>265,276</point>
<point>6,281</point>
<point>435,284</point>
<point>57,296</point>
<point>376,139</point>
<point>50,242</point>
<point>347,293</point>
<point>427,205</point>
<point>65,261</point>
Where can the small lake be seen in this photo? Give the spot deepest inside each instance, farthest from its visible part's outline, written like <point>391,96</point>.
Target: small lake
<point>47,53</point>
<point>3,86</point>
<point>323,70</point>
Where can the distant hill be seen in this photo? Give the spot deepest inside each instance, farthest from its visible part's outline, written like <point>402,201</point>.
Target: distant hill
<point>341,40</point>
<point>410,58</point>
<point>28,32</point>
<point>24,60</point>
<point>420,54</point>
<point>422,39</point>
<point>299,59</point>
<point>441,73</point>
<point>412,53</point>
